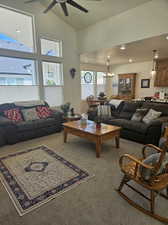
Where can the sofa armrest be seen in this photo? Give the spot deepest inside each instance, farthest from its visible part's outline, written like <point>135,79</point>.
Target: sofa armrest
<point>92,115</point>
<point>58,115</point>
<point>5,121</point>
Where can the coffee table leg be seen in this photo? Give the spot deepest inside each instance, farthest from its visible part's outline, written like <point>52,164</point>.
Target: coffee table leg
<point>98,147</point>
<point>117,141</point>
<point>65,136</point>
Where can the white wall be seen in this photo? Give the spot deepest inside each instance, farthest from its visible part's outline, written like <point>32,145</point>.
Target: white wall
<point>15,93</point>
<point>51,26</point>
<point>91,67</point>
<point>143,70</point>
<point>144,21</point>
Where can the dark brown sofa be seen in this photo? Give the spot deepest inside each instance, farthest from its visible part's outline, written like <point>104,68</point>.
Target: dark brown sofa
<point>136,131</point>
<point>11,132</point>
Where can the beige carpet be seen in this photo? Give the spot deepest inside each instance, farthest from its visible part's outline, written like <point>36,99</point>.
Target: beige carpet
<point>92,203</point>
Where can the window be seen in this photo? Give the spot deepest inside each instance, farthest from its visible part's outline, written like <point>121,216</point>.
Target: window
<point>87,83</point>
<point>15,71</point>
<point>92,83</point>
<point>52,74</point>
<point>51,48</point>
<point>17,34</point>
<point>16,31</point>
<point>100,82</point>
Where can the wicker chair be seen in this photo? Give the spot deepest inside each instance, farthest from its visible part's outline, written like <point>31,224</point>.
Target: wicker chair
<point>154,185</point>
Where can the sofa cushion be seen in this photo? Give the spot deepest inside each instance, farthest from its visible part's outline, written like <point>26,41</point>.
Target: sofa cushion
<point>126,115</point>
<point>36,124</point>
<point>13,114</point>
<point>43,112</point>
<point>151,115</point>
<point>139,114</point>
<point>157,106</point>
<point>131,106</point>
<point>30,114</point>
<point>6,106</point>
<point>130,125</point>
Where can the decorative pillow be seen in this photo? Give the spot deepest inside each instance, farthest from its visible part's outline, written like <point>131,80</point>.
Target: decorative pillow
<point>152,160</point>
<point>151,115</point>
<point>43,112</point>
<point>13,114</point>
<point>30,114</point>
<point>139,114</point>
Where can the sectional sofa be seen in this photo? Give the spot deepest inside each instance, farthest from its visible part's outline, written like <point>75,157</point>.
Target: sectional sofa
<point>132,130</point>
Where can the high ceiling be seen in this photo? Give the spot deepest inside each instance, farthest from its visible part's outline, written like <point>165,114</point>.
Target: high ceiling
<point>139,51</point>
<point>98,10</point>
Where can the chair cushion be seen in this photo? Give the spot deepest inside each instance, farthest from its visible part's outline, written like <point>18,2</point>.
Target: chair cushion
<point>152,160</point>
<point>130,125</point>
<point>36,124</point>
<point>151,115</point>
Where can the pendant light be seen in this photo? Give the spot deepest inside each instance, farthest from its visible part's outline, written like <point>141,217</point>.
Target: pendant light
<point>109,74</point>
<point>155,56</point>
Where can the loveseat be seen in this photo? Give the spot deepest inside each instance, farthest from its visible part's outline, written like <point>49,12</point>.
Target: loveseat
<point>132,130</point>
<point>12,132</point>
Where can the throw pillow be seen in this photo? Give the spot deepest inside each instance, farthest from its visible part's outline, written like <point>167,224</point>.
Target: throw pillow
<point>13,114</point>
<point>139,114</point>
<point>152,160</point>
<point>30,114</point>
<point>43,112</point>
<point>151,115</point>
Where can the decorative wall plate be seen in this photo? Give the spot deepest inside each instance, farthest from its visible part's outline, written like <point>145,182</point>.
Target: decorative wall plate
<point>88,77</point>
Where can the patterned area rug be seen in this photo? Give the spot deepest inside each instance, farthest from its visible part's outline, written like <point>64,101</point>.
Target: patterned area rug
<point>35,176</point>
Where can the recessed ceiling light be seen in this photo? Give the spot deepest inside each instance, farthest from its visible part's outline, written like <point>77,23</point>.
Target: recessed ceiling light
<point>122,47</point>
<point>130,60</point>
<point>18,31</point>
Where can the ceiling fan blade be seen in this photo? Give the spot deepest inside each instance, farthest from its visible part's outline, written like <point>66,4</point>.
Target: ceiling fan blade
<point>50,6</point>
<point>74,4</point>
<point>30,1</point>
<point>64,8</point>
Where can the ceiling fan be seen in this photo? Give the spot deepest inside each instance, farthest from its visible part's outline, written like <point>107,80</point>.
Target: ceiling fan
<point>63,5</point>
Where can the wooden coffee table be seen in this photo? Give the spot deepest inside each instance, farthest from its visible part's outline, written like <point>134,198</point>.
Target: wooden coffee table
<point>90,132</point>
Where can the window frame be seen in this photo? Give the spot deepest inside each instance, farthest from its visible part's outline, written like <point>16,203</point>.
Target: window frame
<point>53,40</point>
<point>62,76</point>
<point>33,29</point>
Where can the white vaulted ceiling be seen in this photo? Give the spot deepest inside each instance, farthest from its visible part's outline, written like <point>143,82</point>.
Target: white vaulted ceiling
<point>98,10</point>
